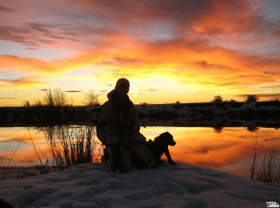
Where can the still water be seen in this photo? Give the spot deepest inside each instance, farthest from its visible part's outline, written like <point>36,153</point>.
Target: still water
<point>232,150</point>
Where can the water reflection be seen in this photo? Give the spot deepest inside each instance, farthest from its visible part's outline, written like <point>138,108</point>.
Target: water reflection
<point>230,150</point>
<point>16,143</point>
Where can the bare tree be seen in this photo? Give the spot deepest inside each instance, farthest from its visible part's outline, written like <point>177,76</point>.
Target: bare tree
<point>55,98</point>
<point>59,97</point>
<point>218,98</point>
<point>252,98</point>
<point>48,98</point>
<point>91,98</point>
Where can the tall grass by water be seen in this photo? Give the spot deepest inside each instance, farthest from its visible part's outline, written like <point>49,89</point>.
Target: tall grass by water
<point>72,145</point>
<point>69,145</point>
<point>268,169</point>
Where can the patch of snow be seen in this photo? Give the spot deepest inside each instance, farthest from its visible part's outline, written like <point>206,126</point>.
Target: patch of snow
<point>182,185</point>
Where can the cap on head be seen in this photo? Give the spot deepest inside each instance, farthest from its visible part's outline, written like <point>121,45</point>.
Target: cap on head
<point>122,81</point>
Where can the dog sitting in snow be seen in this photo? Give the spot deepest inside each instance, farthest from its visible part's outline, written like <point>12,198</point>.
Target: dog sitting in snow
<point>160,146</point>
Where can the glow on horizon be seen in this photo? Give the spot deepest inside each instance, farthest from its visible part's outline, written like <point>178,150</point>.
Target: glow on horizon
<point>189,53</point>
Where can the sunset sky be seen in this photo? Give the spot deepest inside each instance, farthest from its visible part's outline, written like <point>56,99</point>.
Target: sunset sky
<point>170,50</point>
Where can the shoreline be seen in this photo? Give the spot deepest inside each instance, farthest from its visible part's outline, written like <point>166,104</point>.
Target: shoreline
<point>211,114</point>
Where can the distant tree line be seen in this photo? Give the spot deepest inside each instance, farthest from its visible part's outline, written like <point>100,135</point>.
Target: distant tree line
<point>250,98</point>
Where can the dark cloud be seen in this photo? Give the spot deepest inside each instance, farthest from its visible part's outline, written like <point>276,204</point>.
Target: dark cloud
<point>34,34</point>
<point>70,91</point>
<point>271,96</point>
<point>25,81</point>
<point>22,81</point>
<point>272,87</point>
<point>120,61</point>
<point>73,91</point>
<point>272,73</point>
<point>229,84</point>
<point>207,65</point>
<point>49,31</point>
<point>183,16</point>
<point>276,95</point>
<point>6,9</point>
<point>16,34</point>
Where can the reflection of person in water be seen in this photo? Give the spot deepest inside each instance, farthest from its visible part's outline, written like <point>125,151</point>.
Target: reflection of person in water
<point>118,129</point>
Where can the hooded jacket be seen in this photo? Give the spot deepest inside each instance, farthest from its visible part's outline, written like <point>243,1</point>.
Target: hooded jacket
<point>118,127</point>
<point>118,124</point>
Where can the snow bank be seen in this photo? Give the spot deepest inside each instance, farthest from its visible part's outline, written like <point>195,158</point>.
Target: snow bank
<point>182,185</point>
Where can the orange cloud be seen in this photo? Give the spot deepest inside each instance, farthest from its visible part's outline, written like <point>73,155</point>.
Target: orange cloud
<point>22,83</point>
<point>202,46</point>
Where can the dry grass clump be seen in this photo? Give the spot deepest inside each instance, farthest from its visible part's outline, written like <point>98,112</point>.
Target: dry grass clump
<point>72,145</point>
<point>269,169</point>
<point>69,145</point>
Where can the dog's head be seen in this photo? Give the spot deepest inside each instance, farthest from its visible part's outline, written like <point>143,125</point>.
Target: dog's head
<point>167,138</point>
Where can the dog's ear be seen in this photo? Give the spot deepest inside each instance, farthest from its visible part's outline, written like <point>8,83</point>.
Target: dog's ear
<point>169,139</point>
<point>164,138</point>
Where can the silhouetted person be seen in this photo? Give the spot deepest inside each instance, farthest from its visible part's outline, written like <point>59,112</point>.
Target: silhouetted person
<point>118,129</point>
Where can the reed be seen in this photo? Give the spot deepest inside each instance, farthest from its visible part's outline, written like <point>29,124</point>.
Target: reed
<point>72,145</point>
<point>269,170</point>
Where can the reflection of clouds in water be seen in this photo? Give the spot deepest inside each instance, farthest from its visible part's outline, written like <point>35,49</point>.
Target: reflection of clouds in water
<point>152,132</point>
<point>17,134</point>
<point>28,156</point>
<point>201,146</point>
<point>18,140</point>
<point>212,147</point>
<point>276,139</point>
<point>231,150</point>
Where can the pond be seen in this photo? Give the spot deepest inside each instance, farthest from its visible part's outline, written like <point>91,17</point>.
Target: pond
<point>231,150</point>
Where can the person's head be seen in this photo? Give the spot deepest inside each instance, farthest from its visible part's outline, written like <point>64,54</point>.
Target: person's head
<point>122,87</point>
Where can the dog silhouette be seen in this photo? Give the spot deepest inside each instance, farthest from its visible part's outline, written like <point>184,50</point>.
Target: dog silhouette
<point>160,146</point>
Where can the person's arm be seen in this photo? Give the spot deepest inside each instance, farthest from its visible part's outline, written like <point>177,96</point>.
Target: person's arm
<point>138,138</point>
<point>107,129</point>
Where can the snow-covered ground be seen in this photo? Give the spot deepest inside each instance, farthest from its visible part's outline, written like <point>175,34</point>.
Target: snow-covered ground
<point>182,185</point>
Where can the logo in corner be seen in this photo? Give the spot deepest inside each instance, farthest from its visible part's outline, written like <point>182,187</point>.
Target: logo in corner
<point>272,204</point>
